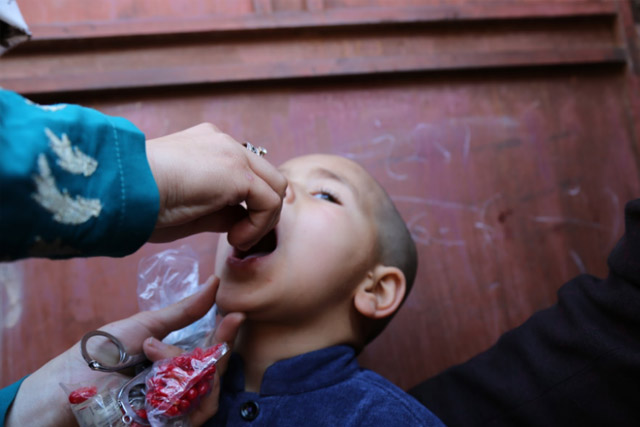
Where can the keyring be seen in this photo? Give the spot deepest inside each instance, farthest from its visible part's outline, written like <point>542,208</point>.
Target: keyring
<point>132,390</point>
<point>125,359</point>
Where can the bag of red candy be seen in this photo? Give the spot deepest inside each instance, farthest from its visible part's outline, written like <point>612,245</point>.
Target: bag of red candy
<point>176,386</point>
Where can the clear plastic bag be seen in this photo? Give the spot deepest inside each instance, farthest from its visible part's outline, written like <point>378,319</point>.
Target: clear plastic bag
<point>166,278</point>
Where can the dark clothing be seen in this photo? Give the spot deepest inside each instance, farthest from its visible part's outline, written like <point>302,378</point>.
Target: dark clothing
<point>574,364</point>
<point>322,388</point>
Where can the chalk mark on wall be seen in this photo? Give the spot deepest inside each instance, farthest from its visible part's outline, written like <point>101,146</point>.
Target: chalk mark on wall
<point>576,258</point>
<point>11,295</point>
<point>617,216</point>
<point>448,142</point>
<point>422,235</point>
<point>426,141</point>
<point>481,224</point>
<point>553,220</point>
<point>467,142</point>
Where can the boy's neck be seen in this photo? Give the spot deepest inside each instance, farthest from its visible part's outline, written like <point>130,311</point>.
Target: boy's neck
<point>263,344</point>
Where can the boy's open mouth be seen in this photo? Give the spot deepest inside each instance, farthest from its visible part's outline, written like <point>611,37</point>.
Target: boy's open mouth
<point>265,246</point>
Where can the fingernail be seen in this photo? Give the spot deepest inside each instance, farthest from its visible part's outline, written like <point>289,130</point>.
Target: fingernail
<point>155,343</point>
<point>207,283</point>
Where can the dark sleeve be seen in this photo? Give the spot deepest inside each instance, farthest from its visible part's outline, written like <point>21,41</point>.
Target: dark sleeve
<point>73,182</point>
<point>574,364</point>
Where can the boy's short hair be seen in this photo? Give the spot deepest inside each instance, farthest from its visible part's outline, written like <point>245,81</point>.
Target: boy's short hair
<point>394,247</point>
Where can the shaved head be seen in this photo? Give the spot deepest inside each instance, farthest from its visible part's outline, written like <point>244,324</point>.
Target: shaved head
<point>395,244</point>
<point>395,247</point>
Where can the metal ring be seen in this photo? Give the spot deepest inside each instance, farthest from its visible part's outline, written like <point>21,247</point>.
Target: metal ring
<point>260,151</point>
<point>124,398</point>
<point>126,360</point>
<point>94,364</point>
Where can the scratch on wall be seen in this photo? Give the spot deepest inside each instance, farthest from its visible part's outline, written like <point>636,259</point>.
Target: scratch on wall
<point>11,295</point>
<point>547,219</point>
<point>617,216</point>
<point>576,258</point>
<point>11,299</point>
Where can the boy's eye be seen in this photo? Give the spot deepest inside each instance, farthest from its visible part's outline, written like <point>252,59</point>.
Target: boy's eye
<point>326,195</point>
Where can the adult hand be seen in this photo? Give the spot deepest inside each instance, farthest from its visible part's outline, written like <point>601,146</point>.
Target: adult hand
<point>203,176</point>
<point>41,400</point>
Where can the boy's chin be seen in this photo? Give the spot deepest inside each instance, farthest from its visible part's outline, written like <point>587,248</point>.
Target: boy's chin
<point>229,298</point>
<point>224,305</point>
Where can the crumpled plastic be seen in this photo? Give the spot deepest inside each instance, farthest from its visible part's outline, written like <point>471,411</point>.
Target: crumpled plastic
<point>166,278</point>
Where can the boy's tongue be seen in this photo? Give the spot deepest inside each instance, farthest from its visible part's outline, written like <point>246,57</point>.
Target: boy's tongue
<point>265,246</point>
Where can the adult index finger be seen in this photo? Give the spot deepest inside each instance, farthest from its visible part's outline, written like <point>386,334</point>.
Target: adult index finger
<point>269,173</point>
<point>263,212</point>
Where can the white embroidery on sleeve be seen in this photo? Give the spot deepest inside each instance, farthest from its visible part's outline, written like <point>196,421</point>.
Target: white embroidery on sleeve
<point>52,108</point>
<point>65,209</point>
<point>70,158</point>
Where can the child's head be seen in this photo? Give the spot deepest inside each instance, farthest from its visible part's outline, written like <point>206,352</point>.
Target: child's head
<point>338,264</point>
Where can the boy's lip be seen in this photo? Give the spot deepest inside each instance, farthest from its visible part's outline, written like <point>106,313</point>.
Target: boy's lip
<point>256,254</point>
<point>248,262</point>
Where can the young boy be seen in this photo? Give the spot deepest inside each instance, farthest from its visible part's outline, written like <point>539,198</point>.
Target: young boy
<point>315,291</point>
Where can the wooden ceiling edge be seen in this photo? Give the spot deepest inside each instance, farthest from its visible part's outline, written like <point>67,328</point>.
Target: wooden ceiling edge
<point>365,16</point>
<point>167,78</point>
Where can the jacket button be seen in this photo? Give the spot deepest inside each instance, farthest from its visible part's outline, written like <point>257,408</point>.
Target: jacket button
<point>249,410</point>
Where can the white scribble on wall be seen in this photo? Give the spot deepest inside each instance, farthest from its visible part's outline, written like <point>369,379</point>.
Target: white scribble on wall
<point>578,261</point>
<point>11,295</point>
<point>616,216</point>
<point>440,141</point>
<point>443,235</point>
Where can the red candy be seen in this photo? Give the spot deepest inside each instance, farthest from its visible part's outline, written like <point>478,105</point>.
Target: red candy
<point>191,394</point>
<point>184,405</point>
<point>81,394</point>
<point>203,388</point>
<point>142,413</point>
<point>179,382</point>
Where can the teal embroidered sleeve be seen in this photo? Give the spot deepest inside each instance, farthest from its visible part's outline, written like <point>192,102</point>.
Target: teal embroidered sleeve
<point>73,182</point>
<point>7,395</point>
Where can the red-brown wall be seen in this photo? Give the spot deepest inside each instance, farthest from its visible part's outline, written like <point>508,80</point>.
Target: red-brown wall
<point>507,133</point>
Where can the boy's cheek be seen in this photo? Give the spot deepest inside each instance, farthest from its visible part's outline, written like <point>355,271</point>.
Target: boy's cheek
<point>223,251</point>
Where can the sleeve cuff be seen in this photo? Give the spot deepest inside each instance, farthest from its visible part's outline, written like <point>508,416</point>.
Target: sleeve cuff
<point>139,197</point>
<point>7,396</point>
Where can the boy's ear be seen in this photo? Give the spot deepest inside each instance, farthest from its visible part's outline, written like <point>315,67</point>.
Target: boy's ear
<point>381,293</point>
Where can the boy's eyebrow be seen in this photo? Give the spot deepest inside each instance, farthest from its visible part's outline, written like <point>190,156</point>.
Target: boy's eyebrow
<point>326,173</point>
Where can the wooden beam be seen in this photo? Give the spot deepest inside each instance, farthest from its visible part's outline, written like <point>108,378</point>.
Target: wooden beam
<point>234,72</point>
<point>385,40</point>
<point>328,17</point>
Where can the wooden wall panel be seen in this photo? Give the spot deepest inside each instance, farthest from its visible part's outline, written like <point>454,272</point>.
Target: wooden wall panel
<point>302,53</point>
<point>506,132</point>
<point>72,19</point>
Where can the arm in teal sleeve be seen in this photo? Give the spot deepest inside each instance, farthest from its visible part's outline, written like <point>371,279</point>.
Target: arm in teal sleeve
<point>73,182</point>
<point>7,395</point>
